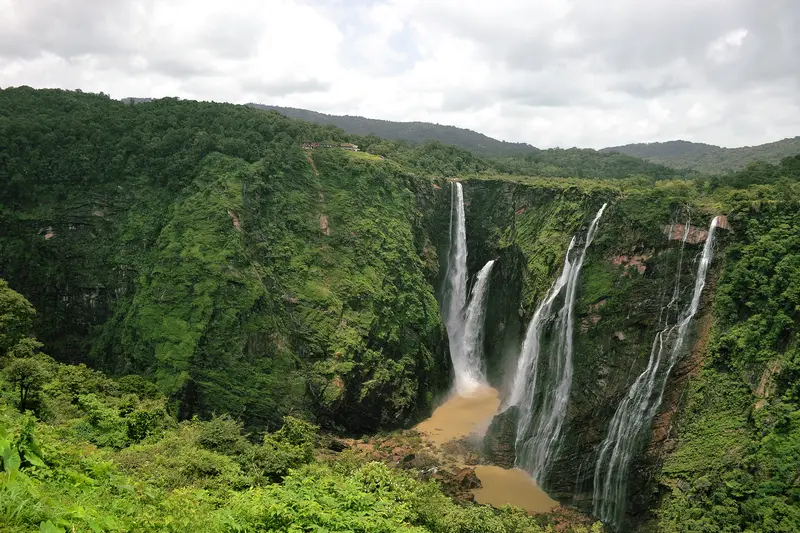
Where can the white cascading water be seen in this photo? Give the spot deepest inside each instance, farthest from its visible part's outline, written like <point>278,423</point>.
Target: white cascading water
<point>464,323</point>
<point>472,339</point>
<point>543,403</point>
<point>637,410</point>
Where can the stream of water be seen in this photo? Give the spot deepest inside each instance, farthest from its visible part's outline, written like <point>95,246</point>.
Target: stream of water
<point>542,399</point>
<point>636,411</point>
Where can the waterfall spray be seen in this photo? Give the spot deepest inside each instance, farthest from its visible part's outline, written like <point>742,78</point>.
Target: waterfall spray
<point>637,409</point>
<point>543,402</point>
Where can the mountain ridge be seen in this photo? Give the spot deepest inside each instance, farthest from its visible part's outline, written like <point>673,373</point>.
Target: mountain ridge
<point>412,131</point>
<point>677,154</point>
<point>708,158</point>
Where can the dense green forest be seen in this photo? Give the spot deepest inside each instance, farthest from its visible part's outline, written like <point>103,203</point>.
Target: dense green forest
<point>216,303</point>
<point>707,158</point>
<point>82,452</point>
<point>682,158</point>
<point>415,132</point>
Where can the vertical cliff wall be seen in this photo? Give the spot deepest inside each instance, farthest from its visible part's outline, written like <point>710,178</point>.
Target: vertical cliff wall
<point>626,279</point>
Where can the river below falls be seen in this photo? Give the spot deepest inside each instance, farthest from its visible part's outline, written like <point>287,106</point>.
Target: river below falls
<point>470,415</point>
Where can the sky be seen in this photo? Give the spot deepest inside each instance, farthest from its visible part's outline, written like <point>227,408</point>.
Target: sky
<point>565,73</point>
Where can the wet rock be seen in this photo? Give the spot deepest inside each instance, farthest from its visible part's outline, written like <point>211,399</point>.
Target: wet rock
<point>400,453</point>
<point>417,462</point>
<point>466,497</point>
<point>500,437</point>
<point>409,458</point>
<point>466,479</point>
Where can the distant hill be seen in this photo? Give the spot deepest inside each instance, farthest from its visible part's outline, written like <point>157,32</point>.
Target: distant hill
<point>708,158</point>
<point>477,143</point>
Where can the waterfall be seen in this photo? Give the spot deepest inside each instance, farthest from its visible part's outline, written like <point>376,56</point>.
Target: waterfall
<point>639,407</point>
<point>543,402</point>
<point>472,338</point>
<point>464,323</point>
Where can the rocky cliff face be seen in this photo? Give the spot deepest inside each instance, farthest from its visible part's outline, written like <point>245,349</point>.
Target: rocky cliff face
<point>626,280</point>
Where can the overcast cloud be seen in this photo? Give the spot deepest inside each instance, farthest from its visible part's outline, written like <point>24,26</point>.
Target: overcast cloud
<point>586,73</point>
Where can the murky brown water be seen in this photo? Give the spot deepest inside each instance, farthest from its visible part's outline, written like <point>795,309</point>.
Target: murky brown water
<point>461,416</point>
<point>515,486</point>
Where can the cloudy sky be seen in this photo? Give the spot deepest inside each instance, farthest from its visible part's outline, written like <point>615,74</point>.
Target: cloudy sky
<point>588,73</point>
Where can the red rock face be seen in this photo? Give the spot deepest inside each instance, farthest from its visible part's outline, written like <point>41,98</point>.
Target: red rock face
<point>635,261</point>
<point>722,222</point>
<point>696,235</point>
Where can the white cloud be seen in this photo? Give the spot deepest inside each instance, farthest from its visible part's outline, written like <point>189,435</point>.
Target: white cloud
<point>550,72</point>
<point>727,47</point>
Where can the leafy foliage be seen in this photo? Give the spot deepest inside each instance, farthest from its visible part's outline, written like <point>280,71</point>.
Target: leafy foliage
<point>585,163</point>
<point>736,465</point>
<point>110,460</point>
<point>197,245</point>
<point>414,132</point>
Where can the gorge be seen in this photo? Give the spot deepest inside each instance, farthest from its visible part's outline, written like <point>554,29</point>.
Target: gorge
<point>201,283</point>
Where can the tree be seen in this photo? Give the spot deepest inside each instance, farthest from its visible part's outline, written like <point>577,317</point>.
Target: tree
<point>16,316</point>
<point>27,375</point>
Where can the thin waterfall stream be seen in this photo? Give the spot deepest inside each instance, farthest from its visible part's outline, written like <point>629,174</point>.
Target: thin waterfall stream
<point>637,410</point>
<point>472,337</point>
<point>542,400</point>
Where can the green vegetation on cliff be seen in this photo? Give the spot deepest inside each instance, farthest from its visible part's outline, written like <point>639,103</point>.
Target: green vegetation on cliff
<point>196,244</point>
<point>737,459</point>
<point>218,272</point>
<point>415,132</point>
<point>96,454</point>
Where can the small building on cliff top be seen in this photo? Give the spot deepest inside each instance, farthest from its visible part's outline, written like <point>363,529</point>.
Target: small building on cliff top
<point>309,145</point>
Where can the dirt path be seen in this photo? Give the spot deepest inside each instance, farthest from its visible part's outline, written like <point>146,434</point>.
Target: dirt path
<point>313,165</point>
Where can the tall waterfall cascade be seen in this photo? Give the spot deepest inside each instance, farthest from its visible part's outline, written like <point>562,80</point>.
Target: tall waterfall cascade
<point>543,378</point>
<point>636,411</point>
<point>464,319</point>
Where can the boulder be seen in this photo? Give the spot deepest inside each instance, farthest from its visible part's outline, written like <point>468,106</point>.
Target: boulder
<point>467,480</point>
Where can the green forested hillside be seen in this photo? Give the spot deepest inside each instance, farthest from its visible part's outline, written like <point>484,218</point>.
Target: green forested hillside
<point>707,158</point>
<point>96,454</point>
<point>585,163</point>
<point>210,295</point>
<point>511,158</point>
<point>416,132</point>
<point>196,244</point>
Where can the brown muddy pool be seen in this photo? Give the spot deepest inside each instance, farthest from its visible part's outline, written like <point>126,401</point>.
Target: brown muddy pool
<point>464,415</point>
